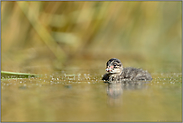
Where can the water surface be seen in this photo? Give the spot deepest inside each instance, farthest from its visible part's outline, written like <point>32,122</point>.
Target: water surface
<point>81,95</point>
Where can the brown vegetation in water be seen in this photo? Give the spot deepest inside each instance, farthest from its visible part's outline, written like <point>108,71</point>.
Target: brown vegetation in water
<point>46,35</point>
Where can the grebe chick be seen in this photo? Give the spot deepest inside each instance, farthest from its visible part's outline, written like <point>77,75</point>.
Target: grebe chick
<point>116,72</point>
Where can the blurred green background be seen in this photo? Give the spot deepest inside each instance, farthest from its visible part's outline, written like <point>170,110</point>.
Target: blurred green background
<point>39,37</point>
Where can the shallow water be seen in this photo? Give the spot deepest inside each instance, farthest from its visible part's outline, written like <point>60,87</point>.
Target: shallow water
<point>81,95</point>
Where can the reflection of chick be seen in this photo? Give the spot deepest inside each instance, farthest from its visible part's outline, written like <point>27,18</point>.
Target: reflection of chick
<point>114,90</point>
<point>116,72</point>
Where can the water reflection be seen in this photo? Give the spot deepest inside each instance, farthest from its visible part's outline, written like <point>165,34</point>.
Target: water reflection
<point>82,96</point>
<point>115,89</point>
<point>114,92</point>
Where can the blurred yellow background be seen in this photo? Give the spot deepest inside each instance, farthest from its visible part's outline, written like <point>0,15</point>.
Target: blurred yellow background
<point>39,37</point>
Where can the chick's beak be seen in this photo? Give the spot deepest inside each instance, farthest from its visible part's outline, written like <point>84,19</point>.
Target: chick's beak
<point>109,68</point>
